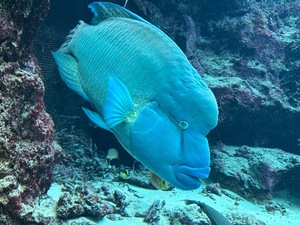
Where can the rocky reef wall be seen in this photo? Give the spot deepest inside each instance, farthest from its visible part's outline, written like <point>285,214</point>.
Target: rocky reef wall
<point>27,149</point>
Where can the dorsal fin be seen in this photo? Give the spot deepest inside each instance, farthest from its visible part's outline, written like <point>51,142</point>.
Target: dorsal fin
<point>106,10</point>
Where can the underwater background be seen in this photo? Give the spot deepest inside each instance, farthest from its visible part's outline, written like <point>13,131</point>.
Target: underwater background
<point>57,168</point>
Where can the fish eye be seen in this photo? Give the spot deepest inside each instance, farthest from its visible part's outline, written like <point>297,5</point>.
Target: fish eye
<point>183,125</point>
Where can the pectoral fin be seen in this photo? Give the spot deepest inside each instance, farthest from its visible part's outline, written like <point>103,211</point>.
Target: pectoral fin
<point>118,103</point>
<point>95,118</point>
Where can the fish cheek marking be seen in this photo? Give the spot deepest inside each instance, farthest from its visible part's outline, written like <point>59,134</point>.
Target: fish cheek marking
<point>182,126</point>
<point>182,141</point>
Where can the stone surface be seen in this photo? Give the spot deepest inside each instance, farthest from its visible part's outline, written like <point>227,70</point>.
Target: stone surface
<point>27,148</point>
<point>255,173</point>
<point>76,205</point>
<point>187,215</point>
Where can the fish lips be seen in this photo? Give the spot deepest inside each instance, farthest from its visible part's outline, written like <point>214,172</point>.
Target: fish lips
<point>189,176</point>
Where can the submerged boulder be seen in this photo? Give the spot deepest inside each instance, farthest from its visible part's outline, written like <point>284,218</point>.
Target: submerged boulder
<point>27,146</point>
<point>255,173</point>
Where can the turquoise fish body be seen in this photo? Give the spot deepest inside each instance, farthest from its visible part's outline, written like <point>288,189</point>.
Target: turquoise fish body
<point>144,91</point>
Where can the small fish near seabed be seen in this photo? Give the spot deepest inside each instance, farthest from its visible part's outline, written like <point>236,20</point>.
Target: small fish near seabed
<point>159,183</point>
<point>112,153</point>
<point>144,90</point>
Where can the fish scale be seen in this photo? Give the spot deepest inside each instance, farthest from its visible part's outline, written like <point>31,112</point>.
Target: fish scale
<point>123,53</point>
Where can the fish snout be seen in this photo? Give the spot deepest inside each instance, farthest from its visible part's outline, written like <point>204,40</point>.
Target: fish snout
<point>189,176</point>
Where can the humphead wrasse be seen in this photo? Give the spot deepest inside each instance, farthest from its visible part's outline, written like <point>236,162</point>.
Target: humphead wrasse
<point>144,91</point>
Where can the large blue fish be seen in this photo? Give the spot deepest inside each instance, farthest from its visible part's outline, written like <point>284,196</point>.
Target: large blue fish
<point>144,91</point>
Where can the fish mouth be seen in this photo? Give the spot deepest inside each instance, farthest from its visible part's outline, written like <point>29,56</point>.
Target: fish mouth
<point>189,176</point>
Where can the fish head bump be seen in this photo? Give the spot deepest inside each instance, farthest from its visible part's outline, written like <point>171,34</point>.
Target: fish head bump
<point>169,139</point>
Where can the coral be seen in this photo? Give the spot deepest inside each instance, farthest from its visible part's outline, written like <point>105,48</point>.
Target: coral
<point>188,215</point>
<point>79,160</point>
<point>86,200</point>
<point>120,201</point>
<point>153,213</point>
<point>20,20</point>
<point>115,196</point>
<point>73,206</point>
<point>27,144</point>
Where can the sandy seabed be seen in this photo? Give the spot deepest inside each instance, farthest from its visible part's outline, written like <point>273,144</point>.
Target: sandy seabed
<point>232,206</point>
